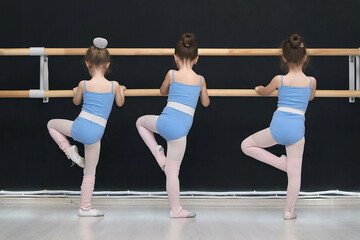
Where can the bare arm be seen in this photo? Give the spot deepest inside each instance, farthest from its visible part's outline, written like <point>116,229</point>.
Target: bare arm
<point>119,94</point>
<point>164,89</point>
<point>313,88</point>
<point>78,92</point>
<point>272,86</point>
<point>204,96</point>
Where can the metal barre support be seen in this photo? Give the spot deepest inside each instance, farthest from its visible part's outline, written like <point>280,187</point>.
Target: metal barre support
<point>44,69</point>
<point>351,76</point>
<point>44,75</point>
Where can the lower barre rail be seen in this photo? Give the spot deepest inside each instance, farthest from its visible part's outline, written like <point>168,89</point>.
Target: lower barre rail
<point>156,93</point>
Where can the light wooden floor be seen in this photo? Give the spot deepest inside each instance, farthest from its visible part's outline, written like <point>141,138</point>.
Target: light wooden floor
<point>56,218</point>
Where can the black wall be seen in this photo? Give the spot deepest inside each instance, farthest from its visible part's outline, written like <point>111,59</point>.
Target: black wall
<point>213,160</point>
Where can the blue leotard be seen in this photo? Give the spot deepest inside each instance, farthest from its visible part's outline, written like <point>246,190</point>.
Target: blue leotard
<point>288,128</point>
<point>173,124</point>
<point>99,104</point>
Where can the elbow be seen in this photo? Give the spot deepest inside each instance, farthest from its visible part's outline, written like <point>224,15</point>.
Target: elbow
<point>205,101</point>
<point>206,104</point>
<point>120,103</point>
<point>163,92</point>
<point>261,93</point>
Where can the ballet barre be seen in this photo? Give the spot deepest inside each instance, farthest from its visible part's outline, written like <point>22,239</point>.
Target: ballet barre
<point>156,93</point>
<point>37,51</point>
<point>353,55</point>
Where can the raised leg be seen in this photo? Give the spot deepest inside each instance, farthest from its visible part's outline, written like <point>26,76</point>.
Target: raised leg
<point>254,145</point>
<point>59,129</point>
<point>146,126</point>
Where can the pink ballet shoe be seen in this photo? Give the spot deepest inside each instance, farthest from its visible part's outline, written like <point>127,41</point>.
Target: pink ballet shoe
<point>183,214</point>
<point>289,216</point>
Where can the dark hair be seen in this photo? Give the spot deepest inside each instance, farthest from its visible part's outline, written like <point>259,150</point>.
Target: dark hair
<point>97,57</point>
<point>186,47</point>
<point>294,51</point>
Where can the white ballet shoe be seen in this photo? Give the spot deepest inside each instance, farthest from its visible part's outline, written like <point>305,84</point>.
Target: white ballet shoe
<point>158,148</point>
<point>289,216</point>
<point>75,157</point>
<point>92,212</point>
<point>191,215</point>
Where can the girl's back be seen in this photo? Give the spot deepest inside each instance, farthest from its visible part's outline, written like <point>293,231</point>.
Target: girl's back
<point>99,85</point>
<point>185,88</point>
<point>296,80</point>
<point>187,77</point>
<point>98,97</point>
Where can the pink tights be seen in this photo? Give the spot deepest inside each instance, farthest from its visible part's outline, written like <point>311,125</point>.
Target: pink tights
<point>254,145</point>
<point>146,126</point>
<point>59,129</point>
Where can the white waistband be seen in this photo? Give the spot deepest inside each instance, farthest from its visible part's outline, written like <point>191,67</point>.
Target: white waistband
<point>94,118</point>
<point>181,107</point>
<point>291,110</point>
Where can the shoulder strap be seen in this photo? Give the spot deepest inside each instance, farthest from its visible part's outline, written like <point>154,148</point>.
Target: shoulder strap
<point>85,85</point>
<point>282,79</point>
<point>112,86</point>
<point>201,78</point>
<point>173,78</point>
<point>310,81</point>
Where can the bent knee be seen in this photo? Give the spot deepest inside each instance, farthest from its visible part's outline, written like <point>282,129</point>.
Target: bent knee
<point>50,124</point>
<point>140,121</point>
<point>246,144</point>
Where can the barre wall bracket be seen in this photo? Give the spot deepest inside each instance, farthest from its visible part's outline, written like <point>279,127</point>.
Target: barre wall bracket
<point>44,69</point>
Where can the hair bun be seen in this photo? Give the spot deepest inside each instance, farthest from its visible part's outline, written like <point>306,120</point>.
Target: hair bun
<point>295,41</point>
<point>188,39</point>
<point>100,42</point>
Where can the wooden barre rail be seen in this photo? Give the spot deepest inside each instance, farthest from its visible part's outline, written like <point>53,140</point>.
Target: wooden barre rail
<point>156,93</point>
<point>170,51</point>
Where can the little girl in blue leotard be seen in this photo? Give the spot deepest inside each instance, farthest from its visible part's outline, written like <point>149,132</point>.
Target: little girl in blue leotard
<point>98,96</point>
<point>184,87</point>
<point>287,127</point>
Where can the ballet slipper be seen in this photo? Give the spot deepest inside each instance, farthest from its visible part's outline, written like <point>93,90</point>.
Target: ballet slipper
<point>289,215</point>
<point>182,214</point>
